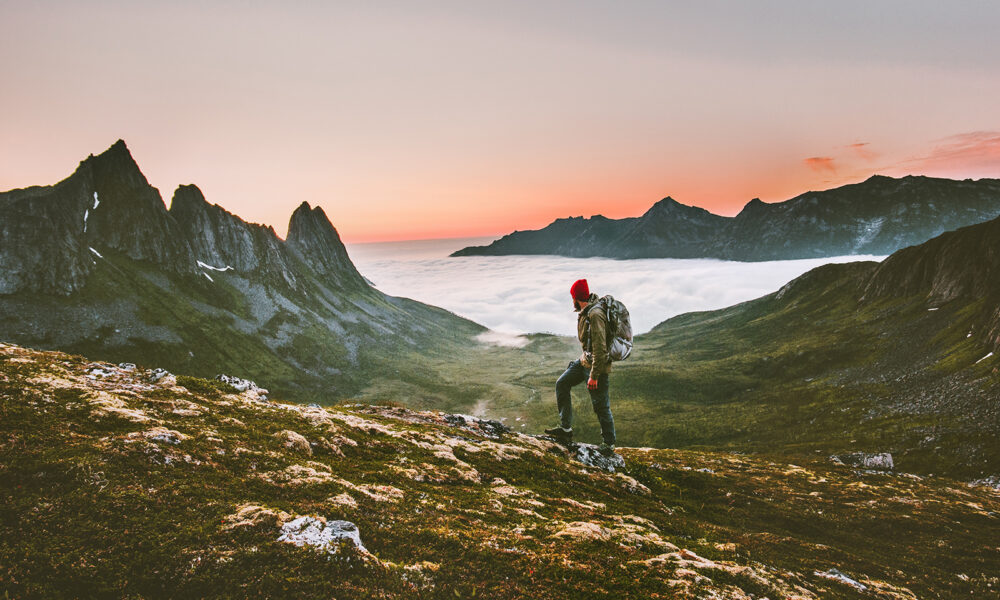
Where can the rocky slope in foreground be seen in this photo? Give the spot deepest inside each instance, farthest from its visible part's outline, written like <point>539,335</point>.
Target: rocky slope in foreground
<point>877,216</point>
<point>115,486</point>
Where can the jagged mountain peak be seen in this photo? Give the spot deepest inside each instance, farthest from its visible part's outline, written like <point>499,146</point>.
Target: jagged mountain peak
<point>310,224</point>
<point>187,197</point>
<point>315,240</point>
<point>665,206</point>
<point>669,206</point>
<point>115,164</point>
<point>751,207</point>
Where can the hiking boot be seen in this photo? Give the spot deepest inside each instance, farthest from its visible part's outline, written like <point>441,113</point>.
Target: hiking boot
<point>559,433</point>
<point>606,449</point>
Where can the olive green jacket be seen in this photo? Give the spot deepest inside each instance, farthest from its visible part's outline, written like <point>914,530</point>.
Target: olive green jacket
<point>592,326</point>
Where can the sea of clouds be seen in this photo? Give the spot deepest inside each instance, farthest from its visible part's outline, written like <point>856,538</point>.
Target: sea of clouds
<point>529,294</point>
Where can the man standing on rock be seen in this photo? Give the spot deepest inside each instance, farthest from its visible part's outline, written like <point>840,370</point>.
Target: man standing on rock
<point>594,367</point>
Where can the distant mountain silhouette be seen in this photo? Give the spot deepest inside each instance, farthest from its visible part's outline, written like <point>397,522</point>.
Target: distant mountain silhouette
<point>878,216</point>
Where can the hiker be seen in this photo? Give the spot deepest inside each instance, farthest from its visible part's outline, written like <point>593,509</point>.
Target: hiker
<point>594,367</point>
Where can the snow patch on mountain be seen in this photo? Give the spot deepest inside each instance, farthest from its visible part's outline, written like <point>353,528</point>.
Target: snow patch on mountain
<point>219,269</point>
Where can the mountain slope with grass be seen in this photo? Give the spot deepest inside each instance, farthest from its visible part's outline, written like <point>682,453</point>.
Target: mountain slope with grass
<point>116,485</point>
<point>899,357</point>
<point>874,217</point>
<point>96,264</point>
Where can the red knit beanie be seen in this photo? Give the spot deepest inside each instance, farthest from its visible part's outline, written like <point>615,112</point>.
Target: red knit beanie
<point>580,290</point>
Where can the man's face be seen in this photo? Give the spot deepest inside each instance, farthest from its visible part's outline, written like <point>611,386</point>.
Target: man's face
<point>577,305</point>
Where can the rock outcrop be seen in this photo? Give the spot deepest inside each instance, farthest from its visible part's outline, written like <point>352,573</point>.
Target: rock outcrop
<point>223,241</point>
<point>315,241</point>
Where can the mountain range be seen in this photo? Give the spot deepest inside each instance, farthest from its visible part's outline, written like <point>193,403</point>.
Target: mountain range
<point>875,217</point>
<point>97,264</point>
<point>889,357</point>
<point>897,357</point>
<point>833,439</point>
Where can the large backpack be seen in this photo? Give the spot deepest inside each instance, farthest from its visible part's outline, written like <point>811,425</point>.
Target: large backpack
<point>619,328</point>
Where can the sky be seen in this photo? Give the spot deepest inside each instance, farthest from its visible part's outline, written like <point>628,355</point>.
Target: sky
<point>410,120</point>
<point>514,295</point>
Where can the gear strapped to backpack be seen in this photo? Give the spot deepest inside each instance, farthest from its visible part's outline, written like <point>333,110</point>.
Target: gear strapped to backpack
<point>619,330</point>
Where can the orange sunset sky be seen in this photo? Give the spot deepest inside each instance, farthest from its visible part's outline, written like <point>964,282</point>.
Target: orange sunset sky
<point>409,120</point>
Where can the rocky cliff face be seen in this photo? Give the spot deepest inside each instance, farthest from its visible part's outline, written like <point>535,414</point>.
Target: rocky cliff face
<point>957,265</point>
<point>97,264</point>
<point>314,240</point>
<point>877,216</point>
<point>52,234</point>
<point>222,240</point>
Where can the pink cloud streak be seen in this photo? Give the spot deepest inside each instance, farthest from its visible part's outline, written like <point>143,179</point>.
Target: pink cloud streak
<point>821,164</point>
<point>964,155</point>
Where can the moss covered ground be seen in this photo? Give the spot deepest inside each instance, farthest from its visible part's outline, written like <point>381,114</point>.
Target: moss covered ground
<point>113,486</point>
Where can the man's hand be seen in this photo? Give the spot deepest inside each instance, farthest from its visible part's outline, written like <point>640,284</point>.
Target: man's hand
<point>591,384</point>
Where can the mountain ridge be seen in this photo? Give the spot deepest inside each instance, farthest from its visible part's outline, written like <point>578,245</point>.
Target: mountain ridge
<point>876,217</point>
<point>97,264</point>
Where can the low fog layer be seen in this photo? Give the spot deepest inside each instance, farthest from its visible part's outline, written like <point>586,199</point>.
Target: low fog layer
<point>529,294</point>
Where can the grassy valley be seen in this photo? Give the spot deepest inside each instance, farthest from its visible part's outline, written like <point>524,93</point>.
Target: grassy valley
<point>811,370</point>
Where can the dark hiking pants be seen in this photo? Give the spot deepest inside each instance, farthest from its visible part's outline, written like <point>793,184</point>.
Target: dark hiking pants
<point>601,401</point>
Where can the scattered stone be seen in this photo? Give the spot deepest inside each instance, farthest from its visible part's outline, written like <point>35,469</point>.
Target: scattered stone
<point>586,505</point>
<point>296,475</point>
<point>836,575</point>
<point>488,427</point>
<point>587,454</point>
<point>126,366</point>
<point>632,485</point>
<point>343,499</point>
<point>105,404</point>
<point>294,441</point>
<point>98,372</point>
<point>161,434</point>
<point>157,374</point>
<point>320,533</point>
<point>993,481</point>
<point>881,461</point>
<point>186,408</point>
<point>378,493</point>
<point>243,386</point>
<point>583,530</point>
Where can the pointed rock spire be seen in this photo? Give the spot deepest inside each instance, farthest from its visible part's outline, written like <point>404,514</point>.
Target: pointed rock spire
<point>315,240</point>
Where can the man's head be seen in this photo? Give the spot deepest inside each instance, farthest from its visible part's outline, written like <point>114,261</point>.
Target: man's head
<point>581,293</point>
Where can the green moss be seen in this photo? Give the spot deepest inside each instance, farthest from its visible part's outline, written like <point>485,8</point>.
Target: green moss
<point>210,387</point>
